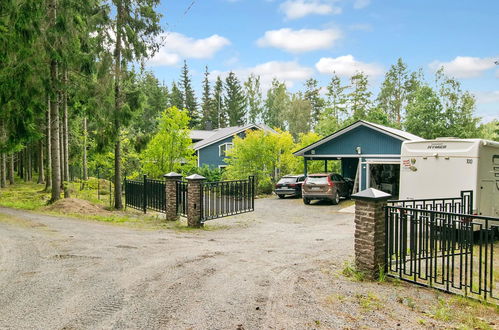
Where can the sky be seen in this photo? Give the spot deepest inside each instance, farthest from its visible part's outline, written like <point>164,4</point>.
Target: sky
<point>294,40</point>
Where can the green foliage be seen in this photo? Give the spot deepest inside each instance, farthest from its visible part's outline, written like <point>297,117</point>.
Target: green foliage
<point>331,119</point>
<point>298,115</point>
<point>276,104</point>
<point>188,96</point>
<point>317,103</point>
<point>490,130</point>
<point>235,100</point>
<point>170,149</point>
<point>267,156</point>
<point>350,271</point>
<point>218,113</point>
<point>254,98</point>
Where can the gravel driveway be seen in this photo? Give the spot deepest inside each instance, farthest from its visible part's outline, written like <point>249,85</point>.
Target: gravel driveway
<point>67,273</point>
<point>279,267</point>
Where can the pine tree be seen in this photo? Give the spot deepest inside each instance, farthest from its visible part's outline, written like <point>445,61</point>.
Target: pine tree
<point>207,104</point>
<point>312,94</point>
<point>218,112</point>
<point>140,17</point>
<point>254,98</point>
<point>176,99</point>
<point>234,100</point>
<point>298,115</point>
<point>188,96</point>
<point>359,98</point>
<point>335,111</point>
<point>276,105</point>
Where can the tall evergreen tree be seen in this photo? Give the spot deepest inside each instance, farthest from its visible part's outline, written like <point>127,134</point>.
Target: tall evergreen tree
<point>206,106</point>
<point>140,17</point>
<point>234,100</point>
<point>188,96</point>
<point>276,104</point>
<point>359,98</point>
<point>176,98</point>
<point>298,115</point>
<point>312,94</point>
<point>218,113</point>
<point>396,91</point>
<point>336,107</point>
<point>254,98</point>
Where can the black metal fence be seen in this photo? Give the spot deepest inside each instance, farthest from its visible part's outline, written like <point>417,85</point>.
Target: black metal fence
<point>134,194</point>
<point>218,199</point>
<point>226,198</point>
<point>462,204</point>
<point>145,194</point>
<point>182,198</point>
<point>454,252</point>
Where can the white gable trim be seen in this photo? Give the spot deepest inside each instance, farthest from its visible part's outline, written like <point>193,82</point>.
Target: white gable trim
<point>343,131</point>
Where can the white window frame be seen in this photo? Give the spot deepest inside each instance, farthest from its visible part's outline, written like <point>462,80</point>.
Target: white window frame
<point>222,154</point>
<point>222,167</point>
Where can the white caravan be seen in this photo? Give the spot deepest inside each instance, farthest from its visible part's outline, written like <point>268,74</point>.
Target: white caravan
<point>444,167</point>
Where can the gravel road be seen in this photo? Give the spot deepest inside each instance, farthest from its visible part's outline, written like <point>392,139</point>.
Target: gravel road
<point>61,273</point>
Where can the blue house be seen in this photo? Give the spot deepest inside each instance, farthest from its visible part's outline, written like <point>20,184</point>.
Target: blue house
<point>211,146</point>
<point>369,154</point>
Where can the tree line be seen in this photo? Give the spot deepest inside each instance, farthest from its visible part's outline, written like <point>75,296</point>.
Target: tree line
<point>75,96</point>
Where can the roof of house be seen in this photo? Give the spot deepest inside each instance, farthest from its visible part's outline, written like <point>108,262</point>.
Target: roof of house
<point>393,132</point>
<point>200,134</point>
<point>223,133</point>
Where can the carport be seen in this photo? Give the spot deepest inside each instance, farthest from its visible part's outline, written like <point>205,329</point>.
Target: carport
<point>369,154</point>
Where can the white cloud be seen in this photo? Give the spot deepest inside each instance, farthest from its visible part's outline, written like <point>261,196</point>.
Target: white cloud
<point>298,41</point>
<point>464,66</point>
<point>487,97</point>
<point>177,46</point>
<point>347,66</point>
<point>294,9</point>
<point>359,4</point>
<point>289,72</point>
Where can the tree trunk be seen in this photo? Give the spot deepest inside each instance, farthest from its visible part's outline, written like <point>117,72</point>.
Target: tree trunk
<point>11,168</point>
<point>85,134</point>
<point>30,163</point>
<point>65,136</point>
<point>54,117</point>
<point>3,170</point>
<point>41,173</point>
<point>118,204</point>
<point>49,154</point>
<point>61,148</point>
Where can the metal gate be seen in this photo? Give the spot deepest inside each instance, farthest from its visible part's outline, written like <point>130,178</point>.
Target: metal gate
<point>450,251</point>
<point>225,198</point>
<point>145,194</point>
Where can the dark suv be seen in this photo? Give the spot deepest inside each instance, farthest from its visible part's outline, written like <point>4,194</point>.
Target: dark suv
<point>289,185</point>
<point>326,187</point>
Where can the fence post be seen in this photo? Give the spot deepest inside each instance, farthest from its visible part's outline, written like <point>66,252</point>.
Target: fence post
<point>194,200</point>
<point>144,197</point>
<point>171,206</point>
<point>370,231</point>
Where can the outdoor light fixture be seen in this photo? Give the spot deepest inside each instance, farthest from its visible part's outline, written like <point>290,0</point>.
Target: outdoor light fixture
<point>358,150</point>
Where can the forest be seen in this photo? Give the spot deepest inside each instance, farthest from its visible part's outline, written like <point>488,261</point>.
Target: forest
<point>76,98</point>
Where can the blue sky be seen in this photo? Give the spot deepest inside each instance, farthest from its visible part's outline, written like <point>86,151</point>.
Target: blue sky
<point>297,39</point>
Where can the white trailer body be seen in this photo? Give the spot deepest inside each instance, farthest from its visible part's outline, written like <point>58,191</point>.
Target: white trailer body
<point>442,168</point>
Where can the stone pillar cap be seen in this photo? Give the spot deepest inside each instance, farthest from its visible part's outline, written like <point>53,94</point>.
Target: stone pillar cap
<point>172,175</point>
<point>196,177</point>
<point>371,194</point>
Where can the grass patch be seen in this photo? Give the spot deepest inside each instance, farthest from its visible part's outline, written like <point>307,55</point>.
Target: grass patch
<point>350,271</point>
<point>26,196</point>
<point>369,302</point>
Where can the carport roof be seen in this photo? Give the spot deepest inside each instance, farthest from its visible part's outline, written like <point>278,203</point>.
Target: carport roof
<point>393,132</point>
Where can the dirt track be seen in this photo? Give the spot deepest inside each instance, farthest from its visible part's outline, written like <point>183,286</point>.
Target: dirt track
<point>276,268</point>
<point>57,272</point>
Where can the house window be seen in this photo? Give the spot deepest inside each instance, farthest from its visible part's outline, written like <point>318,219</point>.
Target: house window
<point>222,168</point>
<point>223,148</point>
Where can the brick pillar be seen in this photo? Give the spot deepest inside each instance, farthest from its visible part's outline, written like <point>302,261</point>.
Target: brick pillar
<point>194,208</point>
<point>370,231</point>
<point>171,180</point>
